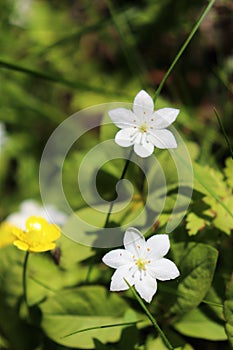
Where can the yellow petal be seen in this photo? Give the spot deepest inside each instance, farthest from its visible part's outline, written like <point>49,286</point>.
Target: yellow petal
<point>21,245</point>
<point>35,223</point>
<point>39,235</point>
<point>18,233</point>
<point>42,247</point>
<point>53,232</point>
<point>6,236</point>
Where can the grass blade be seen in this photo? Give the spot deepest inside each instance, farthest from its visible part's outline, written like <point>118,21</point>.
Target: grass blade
<point>187,41</point>
<point>224,132</point>
<point>75,85</point>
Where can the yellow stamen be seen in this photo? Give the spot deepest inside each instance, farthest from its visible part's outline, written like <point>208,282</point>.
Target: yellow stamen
<point>142,128</point>
<point>141,263</point>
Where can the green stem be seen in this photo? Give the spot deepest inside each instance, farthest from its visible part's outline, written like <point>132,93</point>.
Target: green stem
<point>224,132</point>
<point>110,209</point>
<point>187,41</point>
<point>25,278</point>
<point>151,318</point>
<point>115,193</point>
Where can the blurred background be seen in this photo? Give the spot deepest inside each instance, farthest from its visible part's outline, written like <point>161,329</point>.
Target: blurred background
<point>58,57</point>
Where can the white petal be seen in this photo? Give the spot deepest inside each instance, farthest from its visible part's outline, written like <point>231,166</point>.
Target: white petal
<point>164,117</point>
<point>158,245</point>
<point>123,137</point>
<point>122,117</point>
<point>134,241</point>
<point>164,269</point>
<point>143,105</point>
<point>117,282</point>
<point>146,287</point>
<point>162,138</point>
<point>144,150</point>
<point>117,257</point>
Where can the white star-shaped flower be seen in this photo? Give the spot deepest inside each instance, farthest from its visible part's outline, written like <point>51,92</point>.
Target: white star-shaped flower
<point>141,263</point>
<point>143,127</point>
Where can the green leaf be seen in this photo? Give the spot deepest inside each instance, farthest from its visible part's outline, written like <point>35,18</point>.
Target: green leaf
<point>75,310</point>
<point>214,297</point>
<point>196,262</point>
<point>228,310</point>
<point>195,223</point>
<point>72,253</point>
<point>220,217</point>
<point>14,328</point>
<point>210,182</point>
<point>216,207</point>
<point>157,344</point>
<point>197,324</point>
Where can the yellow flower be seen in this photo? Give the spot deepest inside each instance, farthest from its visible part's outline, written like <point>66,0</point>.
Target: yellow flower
<point>39,235</point>
<point>6,236</point>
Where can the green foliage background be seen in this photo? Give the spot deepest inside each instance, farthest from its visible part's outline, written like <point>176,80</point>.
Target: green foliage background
<point>58,57</point>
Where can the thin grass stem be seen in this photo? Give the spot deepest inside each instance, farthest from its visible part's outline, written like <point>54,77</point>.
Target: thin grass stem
<point>224,132</point>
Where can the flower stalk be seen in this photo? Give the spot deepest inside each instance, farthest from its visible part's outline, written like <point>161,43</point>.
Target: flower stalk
<point>151,318</point>
<point>115,193</point>
<point>25,297</point>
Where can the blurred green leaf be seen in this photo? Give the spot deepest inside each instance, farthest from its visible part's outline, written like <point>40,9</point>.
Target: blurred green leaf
<point>54,79</point>
<point>228,310</point>
<point>90,222</point>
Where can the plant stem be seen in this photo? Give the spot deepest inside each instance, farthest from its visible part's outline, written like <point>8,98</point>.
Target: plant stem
<point>224,132</point>
<point>115,193</point>
<point>151,318</point>
<point>187,41</point>
<point>25,278</point>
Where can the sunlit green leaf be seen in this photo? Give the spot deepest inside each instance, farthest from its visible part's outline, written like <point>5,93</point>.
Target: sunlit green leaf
<point>229,172</point>
<point>82,308</point>
<point>197,324</point>
<point>195,223</point>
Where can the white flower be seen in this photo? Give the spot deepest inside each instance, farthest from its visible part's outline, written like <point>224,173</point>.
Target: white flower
<point>30,207</point>
<point>141,263</point>
<point>142,127</point>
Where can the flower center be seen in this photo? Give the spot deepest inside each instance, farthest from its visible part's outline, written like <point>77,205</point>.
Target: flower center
<point>142,128</point>
<point>141,264</point>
